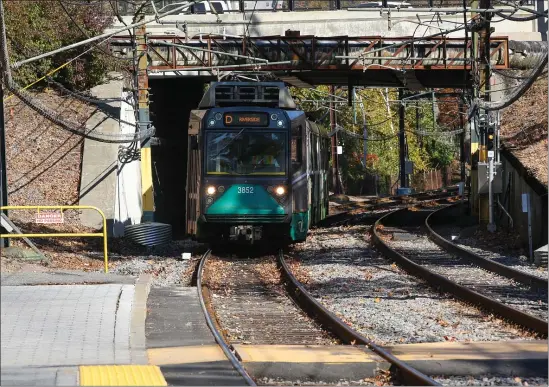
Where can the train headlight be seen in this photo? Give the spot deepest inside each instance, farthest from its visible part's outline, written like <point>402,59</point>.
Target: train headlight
<point>280,190</point>
<point>210,190</point>
<point>280,123</point>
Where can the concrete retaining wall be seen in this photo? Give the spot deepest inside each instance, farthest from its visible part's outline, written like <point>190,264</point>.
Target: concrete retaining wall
<point>107,183</point>
<point>128,200</point>
<point>520,182</point>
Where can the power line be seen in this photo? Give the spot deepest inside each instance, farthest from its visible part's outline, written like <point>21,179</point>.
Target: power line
<point>104,36</point>
<point>49,114</point>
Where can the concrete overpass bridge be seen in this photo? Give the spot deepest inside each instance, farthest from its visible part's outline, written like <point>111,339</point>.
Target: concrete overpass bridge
<point>386,23</point>
<point>327,47</point>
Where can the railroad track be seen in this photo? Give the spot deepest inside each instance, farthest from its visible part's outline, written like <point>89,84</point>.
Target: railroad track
<point>376,208</point>
<point>248,304</point>
<point>441,216</point>
<point>471,280</point>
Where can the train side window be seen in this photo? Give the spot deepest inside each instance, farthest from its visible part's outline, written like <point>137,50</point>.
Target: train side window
<point>297,148</point>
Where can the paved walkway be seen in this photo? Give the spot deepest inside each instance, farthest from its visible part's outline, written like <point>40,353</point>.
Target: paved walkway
<point>49,330</point>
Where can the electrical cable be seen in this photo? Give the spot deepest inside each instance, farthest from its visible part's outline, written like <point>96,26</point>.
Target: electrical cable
<point>50,114</point>
<point>519,77</point>
<point>102,36</point>
<point>66,11</point>
<point>518,92</point>
<point>78,95</point>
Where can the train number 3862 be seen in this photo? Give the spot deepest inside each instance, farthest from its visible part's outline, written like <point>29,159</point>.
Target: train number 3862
<point>245,190</point>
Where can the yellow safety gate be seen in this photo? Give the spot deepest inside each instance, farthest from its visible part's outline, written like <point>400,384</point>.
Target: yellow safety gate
<point>53,235</point>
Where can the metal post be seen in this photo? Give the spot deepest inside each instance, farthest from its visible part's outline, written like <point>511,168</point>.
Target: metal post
<point>401,143</point>
<point>491,224</point>
<point>433,108</point>
<point>144,122</point>
<point>353,102</point>
<point>530,247</point>
<point>365,146</point>
<point>462,142</point>
<point>335,158</point>
<point>4,242</point>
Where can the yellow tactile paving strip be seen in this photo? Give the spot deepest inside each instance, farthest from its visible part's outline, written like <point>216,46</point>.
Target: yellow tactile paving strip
<point>121,375</point>
<point>186,355</point>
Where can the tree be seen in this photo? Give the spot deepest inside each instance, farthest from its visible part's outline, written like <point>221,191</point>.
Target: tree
<point>34,27</point>
<point>378,110</point>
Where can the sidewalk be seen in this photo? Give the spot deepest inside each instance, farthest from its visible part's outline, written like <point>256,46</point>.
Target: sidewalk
<point>62,328</point>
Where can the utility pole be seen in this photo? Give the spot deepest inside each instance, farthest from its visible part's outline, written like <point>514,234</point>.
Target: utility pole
<point>142,58</point>
<point>401,139</point>
<point>4,242</point>
<point>485,201</point>
<point>462,142</point>
<point>335,159</point>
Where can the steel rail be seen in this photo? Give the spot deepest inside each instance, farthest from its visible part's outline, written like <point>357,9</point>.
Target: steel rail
<point>346,334</point>
<point>438,281</point>
<point>485,263</point>
<point>393,200</point>
<point>217,335</point>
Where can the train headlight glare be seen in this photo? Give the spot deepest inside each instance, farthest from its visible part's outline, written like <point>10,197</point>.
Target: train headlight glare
<point>212,122</point>
<point>280,190</point>
<point>210,190</point>
<point>280,123</point>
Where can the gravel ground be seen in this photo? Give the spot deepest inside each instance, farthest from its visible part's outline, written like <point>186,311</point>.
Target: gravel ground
<point>498,250</point>
<point>381,301</point>
<point>164,263</point>
<point>490,381</point>
<point>428,254</point>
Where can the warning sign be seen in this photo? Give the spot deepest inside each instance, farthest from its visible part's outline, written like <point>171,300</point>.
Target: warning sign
<point>49,217</point>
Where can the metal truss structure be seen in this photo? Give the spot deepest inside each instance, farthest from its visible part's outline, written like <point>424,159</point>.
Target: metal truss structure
<point>364,61</point>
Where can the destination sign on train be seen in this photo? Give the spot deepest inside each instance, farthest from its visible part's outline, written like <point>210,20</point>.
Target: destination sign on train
<point>246,119</point>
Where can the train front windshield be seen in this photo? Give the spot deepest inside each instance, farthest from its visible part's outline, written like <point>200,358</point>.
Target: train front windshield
<point>246,152</point>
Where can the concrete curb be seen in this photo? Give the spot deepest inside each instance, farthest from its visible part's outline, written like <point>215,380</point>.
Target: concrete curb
<point>138,344</point>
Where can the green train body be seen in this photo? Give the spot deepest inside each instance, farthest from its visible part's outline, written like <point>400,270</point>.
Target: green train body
<point>257,168</point>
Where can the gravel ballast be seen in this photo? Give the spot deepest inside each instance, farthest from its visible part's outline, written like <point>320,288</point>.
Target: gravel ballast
<point>164,263</point>
<point>503,254</point>
<point>381,301</point>
<point>426,253</point>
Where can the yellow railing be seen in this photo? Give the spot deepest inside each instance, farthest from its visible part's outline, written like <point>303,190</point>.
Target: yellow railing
<point>53,235</point>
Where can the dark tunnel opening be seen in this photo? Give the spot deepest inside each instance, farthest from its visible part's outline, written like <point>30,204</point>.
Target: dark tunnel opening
<point>171,102</point>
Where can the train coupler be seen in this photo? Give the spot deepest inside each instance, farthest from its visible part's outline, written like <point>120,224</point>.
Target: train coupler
<point>245,233</point>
